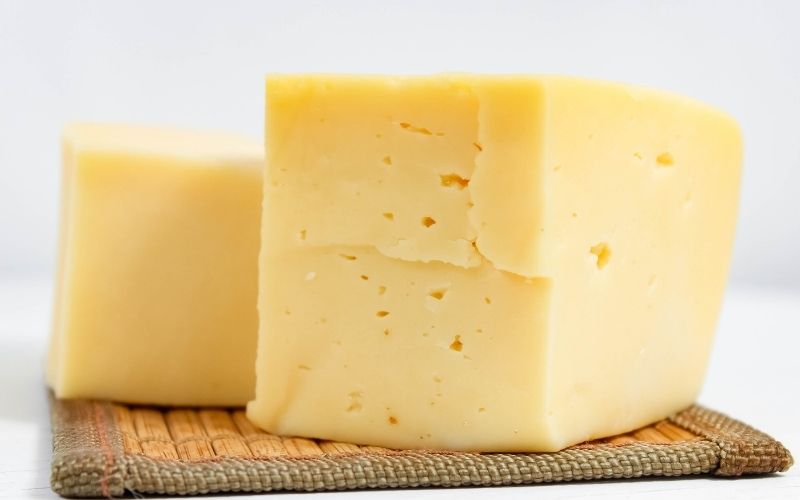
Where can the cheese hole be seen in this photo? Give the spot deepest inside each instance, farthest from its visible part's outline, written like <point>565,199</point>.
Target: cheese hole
<point>302,235</point>
<point>392,420</point>
<point>638,156</point>
<point>437,379</point>
<point>457,345</point>
<point>417,130</point>
<point>487,300</point>
<point>438,294</point>
<point>355,401</point>
<point>428,221</point>
<point>664,160</point>
<point>387,160</point>
<point>381,290</point>
<point>388,215</point>
<point>347,257</point>
<point>387,332</point>
<point>364,277</point>
<point>477,146</point>
<point>382,314</point>
<point>481,409</point>
<point>603,254</point>
<point>304,367</point>
<point>453,181</point>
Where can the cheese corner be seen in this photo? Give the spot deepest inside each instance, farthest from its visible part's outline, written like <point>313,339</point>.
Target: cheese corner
<point>157,271</point>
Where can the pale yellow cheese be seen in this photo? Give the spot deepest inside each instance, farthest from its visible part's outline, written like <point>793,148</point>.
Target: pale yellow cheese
<point>487,263</point>
<point>157,274</point>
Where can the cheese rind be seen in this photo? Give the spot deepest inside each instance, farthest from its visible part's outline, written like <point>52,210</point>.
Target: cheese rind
<point>539,285</point>
<point>157,275</point>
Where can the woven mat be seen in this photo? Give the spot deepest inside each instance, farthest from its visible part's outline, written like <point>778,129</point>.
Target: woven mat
<point>102,449</point>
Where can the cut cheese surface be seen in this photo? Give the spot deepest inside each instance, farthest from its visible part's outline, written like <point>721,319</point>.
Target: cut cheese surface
<point>376,186</point>
<point>487,263</point>
<point>157,273</point>
<point>410,348</point>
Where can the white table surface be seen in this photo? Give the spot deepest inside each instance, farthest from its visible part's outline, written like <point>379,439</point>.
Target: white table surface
<point>753,377</point>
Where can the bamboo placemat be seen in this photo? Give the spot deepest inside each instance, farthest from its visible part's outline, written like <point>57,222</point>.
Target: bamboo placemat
<point>102,449</point>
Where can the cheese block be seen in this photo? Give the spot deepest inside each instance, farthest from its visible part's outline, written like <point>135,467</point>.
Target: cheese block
<point>157,271</point>
<point>487,263</point>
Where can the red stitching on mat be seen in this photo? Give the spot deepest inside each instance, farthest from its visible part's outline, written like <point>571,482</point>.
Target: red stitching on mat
<point>103,434</point>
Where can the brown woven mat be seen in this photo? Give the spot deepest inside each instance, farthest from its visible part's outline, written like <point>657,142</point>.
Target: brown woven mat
<point>102,450</point>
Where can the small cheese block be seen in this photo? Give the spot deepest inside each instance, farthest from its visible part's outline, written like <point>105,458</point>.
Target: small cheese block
<point>487,263</point>
<point>157,272</point>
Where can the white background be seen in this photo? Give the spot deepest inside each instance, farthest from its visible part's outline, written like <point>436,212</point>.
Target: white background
<point>201,64</point>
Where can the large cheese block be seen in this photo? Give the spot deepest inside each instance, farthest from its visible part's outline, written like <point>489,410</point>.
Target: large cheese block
<point>487,263</point>
<point>157,273</point>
